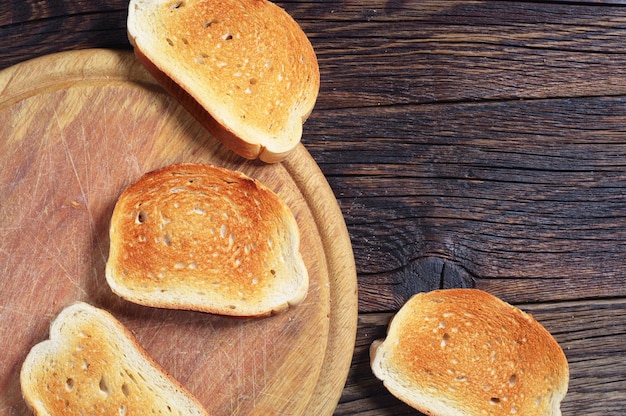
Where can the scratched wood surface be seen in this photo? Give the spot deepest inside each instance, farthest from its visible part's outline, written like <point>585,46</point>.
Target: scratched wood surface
<point>77,128</point>
<point>468,144</point>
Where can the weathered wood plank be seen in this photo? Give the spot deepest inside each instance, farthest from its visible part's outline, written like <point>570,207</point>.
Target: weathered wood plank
<point>527,197</point>
<point>419,52</point>
<point>416,52</point>
<point>38,28</point>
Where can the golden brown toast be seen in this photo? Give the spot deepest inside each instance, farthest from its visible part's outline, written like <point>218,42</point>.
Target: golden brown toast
<point>465,352</point>
<point>244,69</point>
<point>93,365</point>
<point>205,238</point>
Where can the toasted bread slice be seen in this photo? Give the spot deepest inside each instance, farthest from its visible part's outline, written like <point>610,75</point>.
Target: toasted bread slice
<point>244,69</point>
<point>465,352</point>
<point>205,238</point>
<point>93,365</point>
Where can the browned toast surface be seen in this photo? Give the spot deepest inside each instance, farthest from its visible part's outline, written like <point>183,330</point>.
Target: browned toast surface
<point>201,237</point>
<point>248,65</point>
<point>92,365</point>
<point>466,352</point>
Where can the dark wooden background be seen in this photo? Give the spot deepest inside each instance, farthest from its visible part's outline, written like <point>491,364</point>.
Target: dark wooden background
<point>468,144</point>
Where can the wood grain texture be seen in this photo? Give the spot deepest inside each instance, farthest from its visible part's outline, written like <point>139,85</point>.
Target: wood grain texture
<point>523,191</point>
<point>459,51</point>
<point>467,143</point>
<point>80,126</point>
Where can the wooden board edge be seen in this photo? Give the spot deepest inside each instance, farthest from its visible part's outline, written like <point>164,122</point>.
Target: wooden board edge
<point>342,270</point>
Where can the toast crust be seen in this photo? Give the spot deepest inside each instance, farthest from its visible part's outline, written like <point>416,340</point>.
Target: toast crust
<point>93,365</point>
<point>244,69</point>
<point>205,238</point>
<point>466,352</point>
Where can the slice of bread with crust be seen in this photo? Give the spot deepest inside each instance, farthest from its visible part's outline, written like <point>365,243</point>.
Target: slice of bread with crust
<point>205,238</point>
<point>93,365</point>
<point>465,352</point>
<point>244,69</point>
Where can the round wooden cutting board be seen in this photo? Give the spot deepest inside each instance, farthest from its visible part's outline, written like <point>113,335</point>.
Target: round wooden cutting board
<point>75,129</point>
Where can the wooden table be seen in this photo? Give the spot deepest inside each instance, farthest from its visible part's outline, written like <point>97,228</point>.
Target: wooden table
<point>468,144</point>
